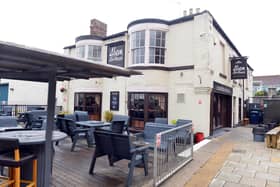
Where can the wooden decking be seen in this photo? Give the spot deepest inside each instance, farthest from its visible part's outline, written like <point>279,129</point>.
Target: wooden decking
<point>70,169</point>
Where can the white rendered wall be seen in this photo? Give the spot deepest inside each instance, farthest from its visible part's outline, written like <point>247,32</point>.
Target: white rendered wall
<point>29,93</point>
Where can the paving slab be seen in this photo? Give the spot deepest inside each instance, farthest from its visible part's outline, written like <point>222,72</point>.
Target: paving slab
<point>229,177</point>
<point>244,172</point>
<point>267,176</point>
<point>217,183</point>
<point>230,184</point>
<point>253,181</point>
<point>260,168</point>
<point>274,171</point>
<point>272,184</point>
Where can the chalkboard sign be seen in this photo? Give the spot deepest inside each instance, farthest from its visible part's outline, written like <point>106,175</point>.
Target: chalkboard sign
<point>239,68</point>
<point>114,100</point>
<point>115,53</point>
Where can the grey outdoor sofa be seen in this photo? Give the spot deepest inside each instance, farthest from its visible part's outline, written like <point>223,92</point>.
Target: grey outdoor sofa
<point>8,121</point>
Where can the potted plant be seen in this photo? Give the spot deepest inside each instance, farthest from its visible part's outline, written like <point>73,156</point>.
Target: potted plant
<point>174,121</point>
<point>108,116</point>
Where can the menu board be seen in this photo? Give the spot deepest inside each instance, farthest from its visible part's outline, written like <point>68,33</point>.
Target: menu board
<point>114,100</point>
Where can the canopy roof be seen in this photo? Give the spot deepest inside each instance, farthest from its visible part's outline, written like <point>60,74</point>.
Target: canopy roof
<point>26,63</point>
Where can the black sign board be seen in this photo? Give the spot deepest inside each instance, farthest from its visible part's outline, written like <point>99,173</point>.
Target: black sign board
<point>115,53</point>
<point>239,68</point>
<point>222,89</point>
<point>114,100</point>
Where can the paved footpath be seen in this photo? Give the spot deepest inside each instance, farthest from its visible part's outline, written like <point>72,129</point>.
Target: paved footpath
<point>232,159</point>
<point>249,163</point>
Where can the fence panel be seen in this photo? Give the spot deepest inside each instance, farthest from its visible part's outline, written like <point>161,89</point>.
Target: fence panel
<point>173,150</point>
<point>15,110</point>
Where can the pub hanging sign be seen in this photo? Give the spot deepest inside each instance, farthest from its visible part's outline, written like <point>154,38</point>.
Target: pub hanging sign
<point>115,53</point>
<point>239,68</point>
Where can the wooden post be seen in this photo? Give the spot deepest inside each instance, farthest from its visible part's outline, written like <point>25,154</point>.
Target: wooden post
<point>49,129</point>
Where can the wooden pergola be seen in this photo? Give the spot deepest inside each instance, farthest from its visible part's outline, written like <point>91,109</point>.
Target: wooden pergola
<point>31,64</point>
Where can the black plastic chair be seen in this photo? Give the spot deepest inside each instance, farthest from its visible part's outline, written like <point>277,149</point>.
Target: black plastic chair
<point>33,119</point>
<point>118,147</point>
<point>117,127</point>
<point>75,133</point>
<point>14,159</point>
<point>125,118</point>
<point>81,115</point>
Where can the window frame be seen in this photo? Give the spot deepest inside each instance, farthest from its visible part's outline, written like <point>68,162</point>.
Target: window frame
<point>138,40</point>
<point>79,53</point>
<point>96,50</point>
<point>157,46</point>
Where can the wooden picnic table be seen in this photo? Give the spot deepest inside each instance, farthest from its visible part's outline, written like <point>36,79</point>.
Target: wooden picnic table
<point>272,138</point>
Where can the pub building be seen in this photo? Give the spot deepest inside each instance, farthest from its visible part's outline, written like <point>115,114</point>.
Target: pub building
<point>186,73</point>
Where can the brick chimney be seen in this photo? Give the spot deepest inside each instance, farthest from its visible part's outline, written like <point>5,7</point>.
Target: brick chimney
<point>98,28</point>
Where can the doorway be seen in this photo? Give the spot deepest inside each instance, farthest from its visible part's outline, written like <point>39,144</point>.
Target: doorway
<point>4,92</point>
<point>234,111</point>
<point>239,109</point>
<point>145,107</point>
<point>90,102</point>
<point>222,111</point>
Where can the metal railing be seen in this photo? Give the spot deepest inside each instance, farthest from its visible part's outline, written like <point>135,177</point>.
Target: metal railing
<point>173,150</point>
<point>15,110</point>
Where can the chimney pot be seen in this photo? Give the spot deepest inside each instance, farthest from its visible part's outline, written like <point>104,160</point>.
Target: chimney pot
<point>197,10</point>
<point>185,13</point>
<point>191,11</point>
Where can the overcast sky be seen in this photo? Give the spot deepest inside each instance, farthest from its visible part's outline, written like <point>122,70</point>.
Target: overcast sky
<point>253,26</point>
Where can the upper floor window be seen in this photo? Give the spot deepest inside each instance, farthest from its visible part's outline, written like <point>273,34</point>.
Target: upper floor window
<point>80,51</point>
<point>138,47</point>
<point>157,47</point>
<point>94,52</point>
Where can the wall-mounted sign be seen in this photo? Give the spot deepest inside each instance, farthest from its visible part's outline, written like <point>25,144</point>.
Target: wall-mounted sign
<point>222,89</point>
<point>116,53</point>
<point>239,68</point>
<point>114,100</point>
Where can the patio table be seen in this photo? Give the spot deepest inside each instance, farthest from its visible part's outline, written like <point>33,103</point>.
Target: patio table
<point>92,125</point>
<point>34,140</point>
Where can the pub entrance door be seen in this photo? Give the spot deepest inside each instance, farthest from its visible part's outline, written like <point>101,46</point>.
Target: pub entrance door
<point>90,102</point>
<point>221,107</point>
<point>222,111</point>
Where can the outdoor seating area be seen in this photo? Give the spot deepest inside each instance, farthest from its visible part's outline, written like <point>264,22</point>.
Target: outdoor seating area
<point>96,141</point>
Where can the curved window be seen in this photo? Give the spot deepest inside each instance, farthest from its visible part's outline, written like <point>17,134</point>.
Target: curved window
<point>157,47</point>
<point>80,51</point>
<point>138,47</point>
<point>94,52</point>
